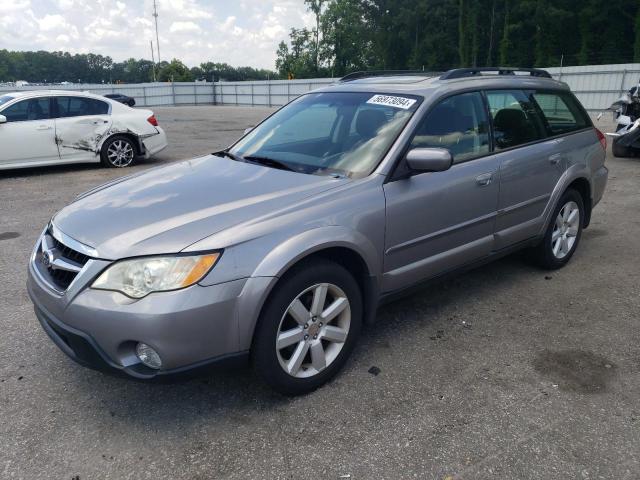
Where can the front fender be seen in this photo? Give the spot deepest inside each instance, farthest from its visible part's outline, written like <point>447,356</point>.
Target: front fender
<point>294,249</point>
<point>288,253</point>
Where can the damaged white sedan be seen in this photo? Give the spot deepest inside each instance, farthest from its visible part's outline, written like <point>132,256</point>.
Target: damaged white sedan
<point>48,127</point>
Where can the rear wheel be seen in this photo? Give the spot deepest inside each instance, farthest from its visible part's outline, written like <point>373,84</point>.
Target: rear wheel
<point>308,328</point>
<point>118,152</point>
<point>563,233</point>
<point>620,151</point>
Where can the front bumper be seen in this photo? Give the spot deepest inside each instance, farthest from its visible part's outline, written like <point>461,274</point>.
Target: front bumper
<point>190,329</point>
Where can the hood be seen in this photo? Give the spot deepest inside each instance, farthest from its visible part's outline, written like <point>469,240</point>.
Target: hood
<point>167,209</point>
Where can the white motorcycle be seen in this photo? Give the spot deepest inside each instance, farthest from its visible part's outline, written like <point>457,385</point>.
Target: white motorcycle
<point>626,114</point>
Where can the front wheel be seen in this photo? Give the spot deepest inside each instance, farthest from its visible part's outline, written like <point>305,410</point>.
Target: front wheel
<point>118,152</point>
<point>308,327</point>
<point>563,233</point>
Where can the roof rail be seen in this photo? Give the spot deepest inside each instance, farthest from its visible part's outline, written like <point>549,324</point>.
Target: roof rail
<point>387,73</point>
<point>477,71</point>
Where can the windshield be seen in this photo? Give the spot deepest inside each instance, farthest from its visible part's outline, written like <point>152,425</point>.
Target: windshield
<point>341,133</point>
<point>5,98</point>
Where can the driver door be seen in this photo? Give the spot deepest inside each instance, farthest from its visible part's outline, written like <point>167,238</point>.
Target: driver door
<point>436,222</point>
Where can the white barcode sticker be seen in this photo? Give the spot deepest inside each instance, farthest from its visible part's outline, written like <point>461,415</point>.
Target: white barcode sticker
<point>390,101</point>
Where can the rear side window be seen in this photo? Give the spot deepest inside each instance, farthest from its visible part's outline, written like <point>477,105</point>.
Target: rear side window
<point>33,109</point>
<point>515,118</point>
<point>79,106</point>
<point>459,124</point>
<point>561,111</point>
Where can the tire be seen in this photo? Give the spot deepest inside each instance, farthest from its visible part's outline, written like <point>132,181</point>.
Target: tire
<point>131,103</point>
<point>563,233</point>
<point>296,366</point>
<point>620,151</point>
<point>115,146</point>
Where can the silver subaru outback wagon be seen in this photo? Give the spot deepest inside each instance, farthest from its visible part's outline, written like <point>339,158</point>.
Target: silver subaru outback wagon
<point>278,249</point>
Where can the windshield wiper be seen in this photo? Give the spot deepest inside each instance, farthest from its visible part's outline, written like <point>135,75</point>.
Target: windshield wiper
<point>269,162</point>
<point>225,153</point>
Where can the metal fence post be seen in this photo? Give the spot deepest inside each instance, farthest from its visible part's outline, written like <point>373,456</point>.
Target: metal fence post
<point>252,102</point>
<point>213,87</point>
<point>195,93</point>
<point>269,90</point>
<point>624,77</point>
<point>173,92</point>
<point>235,85</point>
<point>144,94</point>
<point>288,92</point>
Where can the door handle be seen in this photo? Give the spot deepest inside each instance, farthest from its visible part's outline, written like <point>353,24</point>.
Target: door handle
<point>99,122</point>
<point>555,158</point>
<point>44,127</point>
<point>484,179</point>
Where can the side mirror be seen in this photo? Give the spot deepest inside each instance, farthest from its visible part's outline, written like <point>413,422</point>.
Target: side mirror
<point>3,119</point>
<point>247,130</point>
<point>429,159</point>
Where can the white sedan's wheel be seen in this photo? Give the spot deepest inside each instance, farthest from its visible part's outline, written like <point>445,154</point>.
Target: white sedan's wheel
<point>313,330</point>
<point>118,152</point>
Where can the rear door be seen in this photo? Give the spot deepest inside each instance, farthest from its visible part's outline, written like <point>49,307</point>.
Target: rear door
<point>530,164</point>
<point>28,136</point>
<point>81,124</point>
<point>438,221</point>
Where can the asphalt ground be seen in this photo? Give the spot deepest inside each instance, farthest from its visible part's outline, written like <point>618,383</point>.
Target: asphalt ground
<point>505,372</point>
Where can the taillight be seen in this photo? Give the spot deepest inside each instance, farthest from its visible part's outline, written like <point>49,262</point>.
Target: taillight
<point>153,121</point>
<point>602,138</point>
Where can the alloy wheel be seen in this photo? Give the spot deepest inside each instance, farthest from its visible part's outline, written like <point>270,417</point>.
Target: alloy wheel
<point>565,230</point>
<point>120,153</point>
<point>313,330</point>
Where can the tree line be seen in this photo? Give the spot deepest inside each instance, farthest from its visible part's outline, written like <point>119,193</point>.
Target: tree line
<point>57,67</point>
<point>436,35</point>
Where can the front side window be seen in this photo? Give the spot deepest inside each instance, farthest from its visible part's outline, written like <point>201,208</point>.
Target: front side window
<point>343,133</point>
<point>32,109</point>
<point>459,124</point>
<point>80,106</point>
<point>515,118</point>
<point>561,112</point>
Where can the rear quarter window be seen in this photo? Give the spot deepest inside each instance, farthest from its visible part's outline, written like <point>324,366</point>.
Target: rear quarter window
<point>562,112</point>
<point>516,118</point>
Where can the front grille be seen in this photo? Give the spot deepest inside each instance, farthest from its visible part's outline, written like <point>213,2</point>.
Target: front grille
<point>67,261</point>
<point>69,253</point>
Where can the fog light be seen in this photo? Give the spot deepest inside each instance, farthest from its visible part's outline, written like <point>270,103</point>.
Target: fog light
<point>148,356</point>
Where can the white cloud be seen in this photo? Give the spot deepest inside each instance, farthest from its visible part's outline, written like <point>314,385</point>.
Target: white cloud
<point>240,32</point>
<point>184,27</point>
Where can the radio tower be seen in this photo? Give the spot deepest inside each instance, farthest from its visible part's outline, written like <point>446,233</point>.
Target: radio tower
<point>155,16</point>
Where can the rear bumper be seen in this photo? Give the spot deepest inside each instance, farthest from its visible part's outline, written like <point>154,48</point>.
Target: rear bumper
<point>155,143</point>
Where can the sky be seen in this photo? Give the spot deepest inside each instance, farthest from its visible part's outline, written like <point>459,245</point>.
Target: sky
<point>238,32</point>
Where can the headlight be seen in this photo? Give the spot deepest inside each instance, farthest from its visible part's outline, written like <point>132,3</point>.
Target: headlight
<point>138,278</point>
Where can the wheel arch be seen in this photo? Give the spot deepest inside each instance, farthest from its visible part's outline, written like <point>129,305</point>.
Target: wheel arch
<point>583,187</point>
<point>135,139</point>
<point>357,256</point>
